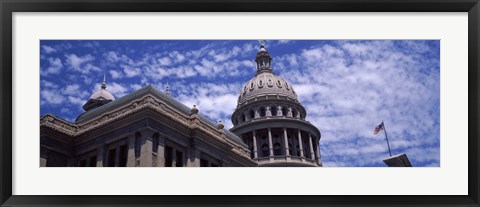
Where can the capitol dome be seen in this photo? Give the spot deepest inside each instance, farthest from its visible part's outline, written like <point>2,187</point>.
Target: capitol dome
<point>266,83</point>
<point>271,121</point>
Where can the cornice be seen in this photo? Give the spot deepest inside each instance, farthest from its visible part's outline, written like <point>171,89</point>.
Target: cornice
<point>191,121</point>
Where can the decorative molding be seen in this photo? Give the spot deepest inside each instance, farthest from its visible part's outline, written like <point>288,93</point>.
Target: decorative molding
<point>192,121</point>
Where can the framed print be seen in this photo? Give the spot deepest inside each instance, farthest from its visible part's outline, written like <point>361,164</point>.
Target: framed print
<point>310,103</point>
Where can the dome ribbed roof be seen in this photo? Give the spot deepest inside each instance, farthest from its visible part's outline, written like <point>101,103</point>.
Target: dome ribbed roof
<point>102,94</point>
<point>266,84</point>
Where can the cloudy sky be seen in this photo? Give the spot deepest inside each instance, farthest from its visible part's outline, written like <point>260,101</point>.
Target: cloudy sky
<point>347,87</point>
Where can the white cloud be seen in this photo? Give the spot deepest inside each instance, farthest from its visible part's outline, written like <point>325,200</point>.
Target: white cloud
<point>135,86</point>
<point>115,74</point>
<point>165,61</point>
<point>71,89</point>
<point>131,72</point>
<point>54,67</point>
<point>117,89</point>
<point>51,97</point>
<point>81,63</point>
<point>47,49</point>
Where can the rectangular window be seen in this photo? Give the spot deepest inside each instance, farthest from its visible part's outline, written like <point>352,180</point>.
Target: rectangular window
<point>179,160</point>
<point>203,163</point>
<point>93,161</point>
<point>111,158</point>
<point>168,156</point>
<point>83,163</point>
<point>123,156</point>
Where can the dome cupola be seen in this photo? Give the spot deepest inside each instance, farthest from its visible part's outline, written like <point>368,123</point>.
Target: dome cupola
<point>99,98</point>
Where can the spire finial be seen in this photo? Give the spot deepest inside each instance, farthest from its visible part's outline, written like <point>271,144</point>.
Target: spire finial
<point>262,43</point>
<point>104,83</point>
<point>167,89</point>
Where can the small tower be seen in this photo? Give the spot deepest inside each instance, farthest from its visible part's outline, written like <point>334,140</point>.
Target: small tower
<point>167,89</point>
<point>99,98</point>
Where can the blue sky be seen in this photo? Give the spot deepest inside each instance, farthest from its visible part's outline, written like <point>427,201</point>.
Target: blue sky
<point>347,87</point>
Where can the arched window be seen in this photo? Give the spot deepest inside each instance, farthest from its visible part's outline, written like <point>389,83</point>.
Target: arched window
<point>260,83</point>
<point>274,110</point>
<point>252,114</point>
<point>277,149</point>
<point>262,112</point>
<point>284,111</point>
<point>243,118</point>
<point>294,113</point>
<point>265,150</point>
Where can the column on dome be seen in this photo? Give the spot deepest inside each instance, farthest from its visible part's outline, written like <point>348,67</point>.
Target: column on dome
<point>300,143</point>
<point>319,156</point>
<point>312,153</point>
<point>247,115</point>
<point>270,145</point>
<point>285,138</point>
<point>255,151</point>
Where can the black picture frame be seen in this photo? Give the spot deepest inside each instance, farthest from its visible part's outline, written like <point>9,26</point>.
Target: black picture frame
<point>7,8</point>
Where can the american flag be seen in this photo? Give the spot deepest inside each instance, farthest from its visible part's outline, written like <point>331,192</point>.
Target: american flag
<point>378,128</point>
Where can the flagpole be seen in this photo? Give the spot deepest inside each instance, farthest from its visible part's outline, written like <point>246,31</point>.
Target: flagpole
<point>388,144</point>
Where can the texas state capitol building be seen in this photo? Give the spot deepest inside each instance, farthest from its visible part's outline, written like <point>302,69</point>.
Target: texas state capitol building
<point>149,128</point>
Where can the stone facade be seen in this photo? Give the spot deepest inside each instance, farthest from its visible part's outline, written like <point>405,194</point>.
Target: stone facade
<point>149,128</point>
<point>144,129</point>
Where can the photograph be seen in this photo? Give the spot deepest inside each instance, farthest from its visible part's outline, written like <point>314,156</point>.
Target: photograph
<point>239,103</point>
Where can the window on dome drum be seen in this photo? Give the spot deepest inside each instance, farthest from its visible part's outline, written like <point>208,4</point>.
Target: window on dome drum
<point>277,149</point>
<point>179,160</point>
<point>168,156</point>
<point>260,83</point>
<point>274,110</point>
<point>298,150</point>
<point>243,118</point>
<point>284,111</point>
<point>294,113</point>
<point>252,114</point>
<point>93,161</point>
<point>111,157</point>
<point>265,150</point>
<point>262,112</point>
